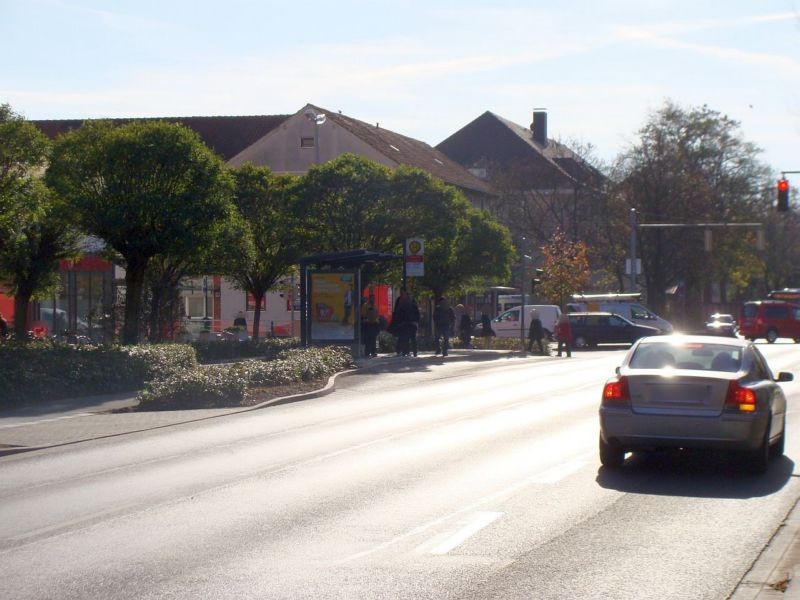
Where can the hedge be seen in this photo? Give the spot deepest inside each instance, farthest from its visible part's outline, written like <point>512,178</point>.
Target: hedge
<point>265,348</point>
<point>36,371</point>
<point>227,385</point>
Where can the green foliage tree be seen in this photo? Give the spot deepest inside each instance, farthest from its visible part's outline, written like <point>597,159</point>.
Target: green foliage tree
<point>23,153</point>
<point>34,241</point>
<point>566,268</point>
<point>269,207</point>
<point>346,206</point>
<point>146,188</point>
<point>35,230</point>
<point>690,166</point>
<point>355,203</point>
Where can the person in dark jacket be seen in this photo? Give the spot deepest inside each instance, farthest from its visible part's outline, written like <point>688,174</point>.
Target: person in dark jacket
<point>443,319</point>
<point>536,333</point>
<point>488,332</point>
<point>465,330</point>
<point>370,326</point>
<point>402,323</point>
<point>414,326</point>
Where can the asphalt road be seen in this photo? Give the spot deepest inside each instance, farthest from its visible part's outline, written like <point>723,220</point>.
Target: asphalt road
<point>442,480</point>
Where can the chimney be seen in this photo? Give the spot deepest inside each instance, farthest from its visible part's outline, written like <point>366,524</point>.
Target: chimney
<point>539,126</point>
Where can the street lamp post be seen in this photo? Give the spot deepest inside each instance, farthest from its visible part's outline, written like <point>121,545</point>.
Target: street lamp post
<point>318,119</point>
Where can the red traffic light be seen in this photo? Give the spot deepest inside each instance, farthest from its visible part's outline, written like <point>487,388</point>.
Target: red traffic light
<point>783,195</point>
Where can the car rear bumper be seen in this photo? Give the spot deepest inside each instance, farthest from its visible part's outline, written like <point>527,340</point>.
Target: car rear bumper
<point>727,431</point>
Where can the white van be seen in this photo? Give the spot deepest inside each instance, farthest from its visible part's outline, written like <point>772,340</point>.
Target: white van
<point>632,311</point>
<point>507,324</point>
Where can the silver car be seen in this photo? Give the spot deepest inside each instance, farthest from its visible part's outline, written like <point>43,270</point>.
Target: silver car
<point>693,392</point>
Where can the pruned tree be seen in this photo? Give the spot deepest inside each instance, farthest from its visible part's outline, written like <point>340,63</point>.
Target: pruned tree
<point>270,211</point>
<point>40,235</point>
<point>36,232</point>
<point>146,188</point>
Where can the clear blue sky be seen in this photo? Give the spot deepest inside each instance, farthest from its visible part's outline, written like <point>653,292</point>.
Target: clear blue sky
<point>420,68</point>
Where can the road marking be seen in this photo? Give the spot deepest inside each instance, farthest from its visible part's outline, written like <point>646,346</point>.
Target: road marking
<point>479,521</point>
<point>64,526</point>
<point>546,476</point>
<point>40,421</point>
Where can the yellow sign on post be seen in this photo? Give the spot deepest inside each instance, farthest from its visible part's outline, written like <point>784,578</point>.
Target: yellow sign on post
<point>414,257</point>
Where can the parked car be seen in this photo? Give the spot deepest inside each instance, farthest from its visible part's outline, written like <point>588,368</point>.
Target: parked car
<point>507,323</point>
<point>593,328</point>
<point>770,319</point>
<point>721,324</point>
<point>693,392</point>
<point>619,304</point>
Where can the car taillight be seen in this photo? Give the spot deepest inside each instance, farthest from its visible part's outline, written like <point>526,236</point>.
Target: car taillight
<point>616,392</point>
<point>740,398</point>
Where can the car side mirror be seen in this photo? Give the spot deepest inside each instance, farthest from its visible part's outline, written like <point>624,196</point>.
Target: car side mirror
<point>783,377</point>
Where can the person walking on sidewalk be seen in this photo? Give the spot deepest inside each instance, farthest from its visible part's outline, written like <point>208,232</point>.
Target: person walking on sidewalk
<point>402,323</point>
<point>414,325</point>
<point>564,333</point>
<point>443,319</point>
<point>487,331</point>
<point>370,327</point>
<point>535,332</point>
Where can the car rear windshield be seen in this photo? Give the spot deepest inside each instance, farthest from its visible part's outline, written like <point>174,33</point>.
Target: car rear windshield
<point>693,356</point>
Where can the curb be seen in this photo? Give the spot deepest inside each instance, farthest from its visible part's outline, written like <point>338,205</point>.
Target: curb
<point>775,572</point>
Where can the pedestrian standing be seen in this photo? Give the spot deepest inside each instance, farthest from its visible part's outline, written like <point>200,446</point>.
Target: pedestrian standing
<point>487,331</point>
<point>443,319</point>
<point>414,325</point>
<point>535,332</point>
<point>465,330</point>
<point>370,327</point>
<point>402,323</point>
<point>564,333</point>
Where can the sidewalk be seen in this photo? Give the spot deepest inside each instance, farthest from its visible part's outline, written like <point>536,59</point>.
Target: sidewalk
<point>74,420</point>
<point>775,574</point>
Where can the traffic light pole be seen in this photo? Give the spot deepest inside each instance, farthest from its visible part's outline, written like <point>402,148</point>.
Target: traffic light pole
<point>705,226</point>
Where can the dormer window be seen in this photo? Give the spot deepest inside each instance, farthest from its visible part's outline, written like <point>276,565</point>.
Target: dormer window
<point>306,142</point>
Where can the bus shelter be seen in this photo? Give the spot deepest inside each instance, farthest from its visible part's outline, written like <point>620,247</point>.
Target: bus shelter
<point>330,296</point>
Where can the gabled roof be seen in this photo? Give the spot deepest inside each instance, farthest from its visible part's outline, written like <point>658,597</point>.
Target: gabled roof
<point>227,136</point>
<point>492,139</point>
<point>408,151</point>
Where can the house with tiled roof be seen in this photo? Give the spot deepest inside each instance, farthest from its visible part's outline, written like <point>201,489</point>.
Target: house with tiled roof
<point>285,144</point>
<point>491,144</point>
<point>227,136</point>
<point>538,179</point>
<point>316,135</point>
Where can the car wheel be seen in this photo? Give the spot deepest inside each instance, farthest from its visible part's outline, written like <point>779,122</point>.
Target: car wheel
<point>778,447</point>
<point>580,342</point>
<point>759,458</point>
<point>772,335</point>
<point>611,456</point>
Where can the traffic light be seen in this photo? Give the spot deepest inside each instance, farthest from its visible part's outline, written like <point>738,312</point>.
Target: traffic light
<point>783,195</point>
